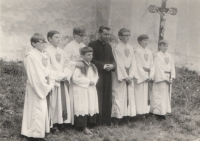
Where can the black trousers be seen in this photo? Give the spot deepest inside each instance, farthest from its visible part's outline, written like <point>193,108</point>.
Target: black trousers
<point>81,122</point>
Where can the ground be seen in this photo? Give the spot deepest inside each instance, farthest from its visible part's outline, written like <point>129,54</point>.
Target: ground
<point>182,125</point>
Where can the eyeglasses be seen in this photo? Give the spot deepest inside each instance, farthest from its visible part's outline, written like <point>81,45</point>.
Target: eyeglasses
<point>126,35</point>
<point>41,41</point>
<point>106,34</point>
<point>84,35</point>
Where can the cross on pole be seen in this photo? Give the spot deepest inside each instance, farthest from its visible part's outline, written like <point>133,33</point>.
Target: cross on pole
<point>162,11</point>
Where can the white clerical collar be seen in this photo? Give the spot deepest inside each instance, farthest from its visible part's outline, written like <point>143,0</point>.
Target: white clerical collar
<point>125,45</point>
<point>101,41</point>
<point>41,51</point>
<point>143,48</point>
<point>87,63</point>
<point>163,53</point>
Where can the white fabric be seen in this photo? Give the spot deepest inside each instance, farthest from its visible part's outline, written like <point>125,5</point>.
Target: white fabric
<point>35,115</point>
<point>120,90</point>
<point>85,96</point>
<point>141,88</point>
<point>72,51</point>
<point>55,99</point>
<point>161,95</point>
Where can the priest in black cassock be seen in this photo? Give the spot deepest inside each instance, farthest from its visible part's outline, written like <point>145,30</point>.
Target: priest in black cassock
<point>104,61</point>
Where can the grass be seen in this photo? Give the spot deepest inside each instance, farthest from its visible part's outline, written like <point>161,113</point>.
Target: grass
<point>182,125</point>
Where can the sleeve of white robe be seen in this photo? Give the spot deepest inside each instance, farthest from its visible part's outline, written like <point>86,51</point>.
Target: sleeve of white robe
<point>121,72</point>
<point>95,79</point>
<point>160,74</point>
<point>36,77</point>
<point>67,68</point>
<point>54,74</point>
<point>173,74</point>
<point>68,54</point>
<point>142,76</point>
<point>152,67</point>
<point>79,79</point>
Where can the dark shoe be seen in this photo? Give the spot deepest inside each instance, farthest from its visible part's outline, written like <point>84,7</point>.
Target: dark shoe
<point>53,130</point>
<point>42,139</point>
<point>160,117</point>
<point>60,127</point>
<point>115,122</point>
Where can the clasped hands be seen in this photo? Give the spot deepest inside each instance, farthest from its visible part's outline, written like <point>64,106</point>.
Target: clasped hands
<point>129,80</point>
<point>109,67</point>
<point>169,81</point>
<point>149,79</point>
<point>91,83</point>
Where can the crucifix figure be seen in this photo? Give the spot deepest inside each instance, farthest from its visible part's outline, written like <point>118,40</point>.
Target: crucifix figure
<point>162,11</point>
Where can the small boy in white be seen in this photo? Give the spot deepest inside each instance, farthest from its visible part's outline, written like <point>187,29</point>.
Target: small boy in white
<point>84,92</point>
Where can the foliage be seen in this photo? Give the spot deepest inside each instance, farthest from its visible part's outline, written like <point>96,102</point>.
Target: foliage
<point>182,124</point>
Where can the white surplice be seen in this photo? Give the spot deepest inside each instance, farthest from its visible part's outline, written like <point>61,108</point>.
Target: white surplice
<point>143,57</point>
<point>35,115</point>
<point>161,95</point>
<point>60,63</point>
<point>121,91</point>
<point>85,97</point>
<point>72,51</point>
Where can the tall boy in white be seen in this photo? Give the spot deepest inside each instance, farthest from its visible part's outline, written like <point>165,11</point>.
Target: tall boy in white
<point>123,104</point>
<point>146,70</point>
<point>35,115</point>
<point>72,51</point>
<point>162,86</point>
<point>60,102</point>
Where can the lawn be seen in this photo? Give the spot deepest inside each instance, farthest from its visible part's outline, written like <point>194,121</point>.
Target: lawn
<point>182,125</point>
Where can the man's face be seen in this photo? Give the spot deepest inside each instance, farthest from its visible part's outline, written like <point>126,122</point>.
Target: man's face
<point>104,36</point>
<point>163,47</point>
<point>144,42</point>
<point>125,37</point>
<point>55,40</point>
<point>40,45</point>
<point>87,57</point>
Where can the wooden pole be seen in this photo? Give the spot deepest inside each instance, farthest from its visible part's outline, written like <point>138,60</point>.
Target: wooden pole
<point>163,5</point>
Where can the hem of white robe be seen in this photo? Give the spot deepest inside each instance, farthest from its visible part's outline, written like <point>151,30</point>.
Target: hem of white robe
<point>31,136</point>
<point>160,113</point>
<point>83,114</point>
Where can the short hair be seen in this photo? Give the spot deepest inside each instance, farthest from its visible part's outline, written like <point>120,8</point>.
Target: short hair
<point>51,33</point>
<point>79,30</point>
<point>37,37</point>
<point>121,31</point>
<point>84,50</point>
<point>102,28</point>
<point>142,37</point>
<point>162,42</point>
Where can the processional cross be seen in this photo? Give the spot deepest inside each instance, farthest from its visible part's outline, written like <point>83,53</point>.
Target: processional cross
<point>162,11</point>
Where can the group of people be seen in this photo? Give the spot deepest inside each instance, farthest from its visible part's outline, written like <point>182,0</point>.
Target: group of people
<point>90,85</point>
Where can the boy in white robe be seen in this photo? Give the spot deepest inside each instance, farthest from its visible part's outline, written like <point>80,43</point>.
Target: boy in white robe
<point>146,70</point>
<point>84,92</point>
<point>35,115</point>
<point>60,101</point>
<point>162,86</point>
<point>123,97</point>
<point>72,51</point>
